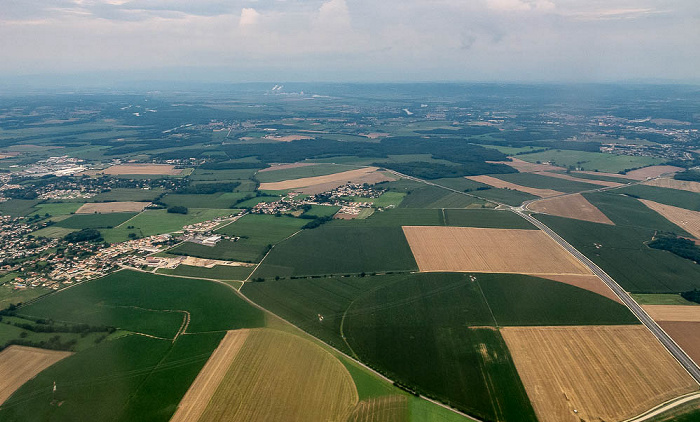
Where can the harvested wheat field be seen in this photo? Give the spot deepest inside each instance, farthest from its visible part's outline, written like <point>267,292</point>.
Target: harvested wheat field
<point>202,389</point>
<point>686,335</point>
<point>470,249</point>
<point>526,167</point>
<point>571,206</point>
<point>686,219</point>
<point>688,313</point>
<point>381,409</point>
<point>579,179</point>
<point>19,364</point>
<point>594,373</point>
<point>318,184</point>
<point>498,183</point>
<point>675,184</point>
<point>652,171</point>
<point>589,282</point>
<point>154,169</point>
<point>274,167</point>
<point>110,207</point>
<point>277,376</point>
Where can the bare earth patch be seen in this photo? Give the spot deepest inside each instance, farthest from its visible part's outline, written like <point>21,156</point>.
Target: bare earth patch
<point>675,184</point>
<point>110,207</point>
<point>19,364</point>
<point>587,282</point>
<point>594,373</point>
<point>571,206</point>
<point>211,263</point>
<point>525,167</point>
<point>686,335</point>
<point>202,389</point>
<point>318,184</point>
<point>652,171</point>
<point>578,179</point>
<point>498,183</point>
<point>155,169</point>
<point>673,312</point>
<point>274,167</point>
<point>470,249</point>
<point>686,219</point>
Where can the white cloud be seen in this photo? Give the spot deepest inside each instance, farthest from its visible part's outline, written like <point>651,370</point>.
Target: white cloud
<point>249,17</point>
<point>520,5</point>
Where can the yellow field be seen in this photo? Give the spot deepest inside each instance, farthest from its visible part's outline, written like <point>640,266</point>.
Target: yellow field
<point>110,207</point>
<point>318,184</point>
<point>675,184</point>
<point>278,376</point>
<point>594,373</point>
<point>19,364</point>
<point>381,409</point>
<point>498,183</point>
<point>571,206</point>
<point>686,219</point>
<point>673,312</point>
<point>469,249</point>
<point>652,171</point>
<point>153,169</point>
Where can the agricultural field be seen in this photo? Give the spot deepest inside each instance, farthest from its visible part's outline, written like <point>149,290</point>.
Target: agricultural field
<point>435,197</point>
<point>586,282</point>
<point>387,199</point>
<point>592,161</point>
<point>587,181</point>
<point>143,169</point>
<point>127,194</point>
<point>381,409</point>
<point>502,184</point>
<point>686,334</point>
<point>321,211</point>
<point>686,219</point>
<point>151,222</point>
<point>486,219</point>
<point>684,313</point>
<point>673,197</point>
<point>506,196</point>
<point>95,221</point>
<point>607,372</point>
<point>215,200</point>
<point>339,249</point>
<point>19,364</point>
<point>318,184</point>
<point>299,171</point>
<point>53,231</point>
<point>19,207</point>
<point>111,207</point>
<point>574,206</point>
<point>558,183</point>
<point>675,184</point>
<point>652,171</point>
<point>57,208</point>
<point>466,249</point>
<point>662,299</point>
<point>315,386</point>
<point>218,272</point>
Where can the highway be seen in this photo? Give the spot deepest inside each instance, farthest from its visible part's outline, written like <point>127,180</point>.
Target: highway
<point>637,310</point>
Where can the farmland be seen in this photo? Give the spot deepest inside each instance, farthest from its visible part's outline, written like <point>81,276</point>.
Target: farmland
<point>142,169</point>
<point>95,221</point>
<point>590,160</point>
<point>489,250</point>
<point>215,200</point>
<point>281,173</point>
<point>219,272</point>
<point>571,206</point>
<point>686,219</point>
<point>608,373</point>
<point>19,364</point>
<point>673,197</point>
<point>435,197</point>
<point>319,184</point>
<point>587,181</point>
<point>544,181</point>
<point>111,207</point>
<point>485,219</point>
<point>315,386</point>
<point>502,184</point>
<point>675,184</point>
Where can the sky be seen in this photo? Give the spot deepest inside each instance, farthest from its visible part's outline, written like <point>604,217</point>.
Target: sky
<point>353,40</point>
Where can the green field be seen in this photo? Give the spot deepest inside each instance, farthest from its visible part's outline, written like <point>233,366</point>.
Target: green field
<point>127,194</point>
<point>321,211</point>
<point>214,200</point>
<point>250,203</point>
<point>339,249</point>
<point>435,197</point>
<point>95,221</point>
<point>512,150</point>
<point>58,208</point>
<point>621,251</point>
<point>9,295</point>
<point>152,222</point>
<point>486,218</point>
<point>400,217</point>
<point>219,272</point>
<point>301,172</point>
<point>18,207</point>
<point>662,299</point>
<point>53,231</point>
<point>591,161</point>
<point>505,196</point>
<point>543,182</point>
<point>387,199</point>
<point>244,250</point>
<point>674,197</point>
<point>201,174</point>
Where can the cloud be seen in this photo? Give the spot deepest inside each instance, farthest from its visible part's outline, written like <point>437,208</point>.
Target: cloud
<point>249,17</point>
<point>520,5</point>
<point>334,15</point>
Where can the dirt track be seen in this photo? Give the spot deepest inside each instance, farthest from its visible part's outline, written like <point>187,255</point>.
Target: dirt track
<point>571,206</point>
<point>463,249</point>
<point>594,373</point>
<point>19,364</point>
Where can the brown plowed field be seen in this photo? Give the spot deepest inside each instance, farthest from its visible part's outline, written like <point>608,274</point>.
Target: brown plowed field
<point>681,217</point>
<point>381,409</point>
<point>110,207</point>
<point>19,364</point>
<point>318,184</point>
<point>498,183</point>
<point>578,179</point>
<point>525,167</point>
<point>202,389</point>
<point>165,169</point>
<point>274,167</point>
<point>278,376</point>
<point>686,334</point>
<point>571,206</point>
<point>652,171</point>
<point>686,313</point>
<point>675,184</point>
<point>587,282</point>
<point>445,249</point>
<point>594,373</point>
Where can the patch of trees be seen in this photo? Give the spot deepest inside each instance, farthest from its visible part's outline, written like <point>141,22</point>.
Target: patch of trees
<point>692,295</point>
<point>317,222</point>
<point>84,235</point>
<point>178,209</point>
<point>53,343</point>
<point>688,175</point>
<point>685,248</point>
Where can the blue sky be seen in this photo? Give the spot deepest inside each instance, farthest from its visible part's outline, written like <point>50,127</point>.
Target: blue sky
<point>353,40</point>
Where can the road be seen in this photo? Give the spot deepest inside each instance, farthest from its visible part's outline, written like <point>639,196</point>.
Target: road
<point>637,310</point>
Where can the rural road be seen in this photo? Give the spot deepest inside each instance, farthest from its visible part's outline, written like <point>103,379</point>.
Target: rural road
<point>637,310</point>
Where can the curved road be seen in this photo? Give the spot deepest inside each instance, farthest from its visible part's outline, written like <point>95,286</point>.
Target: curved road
<point>637,310</point>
